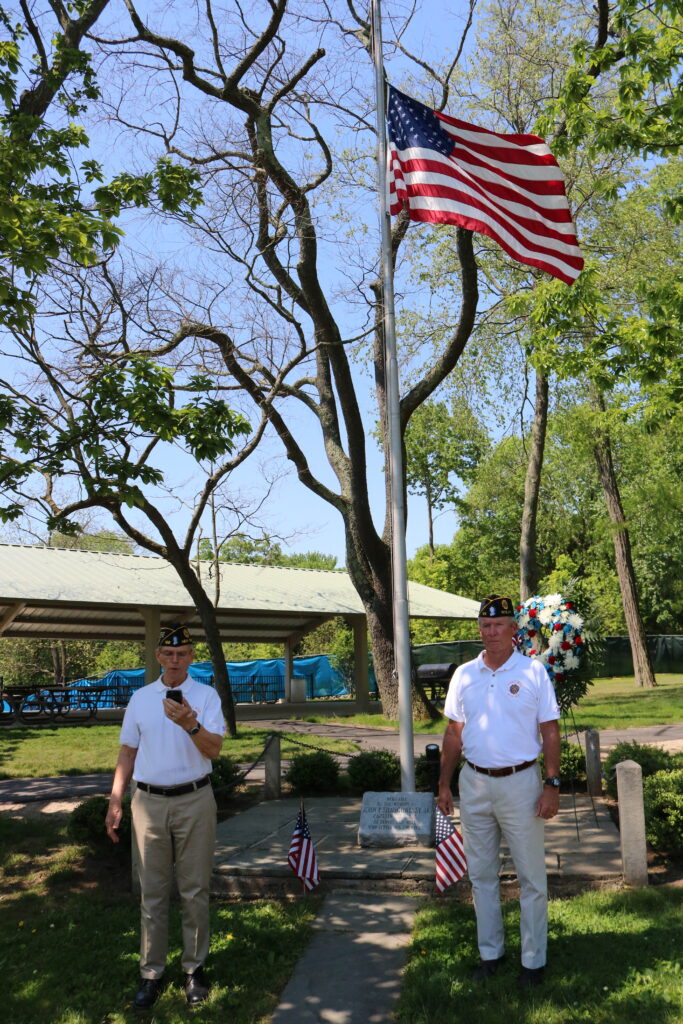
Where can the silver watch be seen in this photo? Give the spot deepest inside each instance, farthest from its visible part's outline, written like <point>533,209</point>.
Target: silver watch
<point>194,730</point>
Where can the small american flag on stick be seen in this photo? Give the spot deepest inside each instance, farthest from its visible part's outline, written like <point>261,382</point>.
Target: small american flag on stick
<point>301,857</point>
<point>451,864</point>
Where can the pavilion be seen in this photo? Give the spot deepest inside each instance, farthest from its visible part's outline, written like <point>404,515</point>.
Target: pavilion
<point>68,594</point>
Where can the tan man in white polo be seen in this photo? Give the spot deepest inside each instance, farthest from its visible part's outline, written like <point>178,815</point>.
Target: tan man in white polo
<point>166,747</point>
<point>503,713</point>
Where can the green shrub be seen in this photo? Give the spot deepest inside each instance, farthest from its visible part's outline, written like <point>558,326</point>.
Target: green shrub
<point>374,770</point>
<point>310,774</point>
<point>663,800</point>
<point>223,774</point>
<point>572,762</point>
<point>86,823</point>
<point>424,779</point>
<point>650,759</point>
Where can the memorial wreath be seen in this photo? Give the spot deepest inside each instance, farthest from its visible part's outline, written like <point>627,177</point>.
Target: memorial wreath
<point>551,629</point>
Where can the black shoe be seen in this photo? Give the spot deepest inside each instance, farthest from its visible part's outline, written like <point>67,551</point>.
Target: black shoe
<point>196,987</point>
<point>530,977</point>
<point>486,969</point>
<point>147,994</point>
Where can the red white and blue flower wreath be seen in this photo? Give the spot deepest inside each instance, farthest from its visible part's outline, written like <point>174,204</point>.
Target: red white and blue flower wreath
<point>551,630</point>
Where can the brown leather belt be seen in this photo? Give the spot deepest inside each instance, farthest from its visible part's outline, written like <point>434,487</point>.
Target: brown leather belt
<point>188,787</point>
<point>497,773</point>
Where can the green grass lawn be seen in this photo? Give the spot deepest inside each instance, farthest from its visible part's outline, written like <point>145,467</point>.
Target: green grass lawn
<point>610,704</point>
<point>84,749</point>
<point>614,958</point>
<point>69,942</point>
<point>618,704</point>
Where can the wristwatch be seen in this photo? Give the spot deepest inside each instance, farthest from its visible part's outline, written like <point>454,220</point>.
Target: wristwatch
<point>552,780</point>
<point>194,730</point>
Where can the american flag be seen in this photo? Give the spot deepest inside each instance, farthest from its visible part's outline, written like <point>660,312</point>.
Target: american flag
<point>508,187</point>
<point>450,852</point>
<point>301,857</point>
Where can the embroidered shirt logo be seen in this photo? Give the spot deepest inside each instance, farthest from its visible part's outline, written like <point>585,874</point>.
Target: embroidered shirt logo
<point>514,688</point>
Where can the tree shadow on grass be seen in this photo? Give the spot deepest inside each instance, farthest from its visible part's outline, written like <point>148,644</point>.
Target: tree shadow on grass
<point>612,960</point>
<point>74,960</point>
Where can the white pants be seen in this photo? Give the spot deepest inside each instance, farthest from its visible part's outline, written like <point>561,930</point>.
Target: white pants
<point>491,808</point>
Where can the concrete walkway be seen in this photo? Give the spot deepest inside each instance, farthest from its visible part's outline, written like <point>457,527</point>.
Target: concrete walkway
<point>350,972</point>
<point>582,844</point>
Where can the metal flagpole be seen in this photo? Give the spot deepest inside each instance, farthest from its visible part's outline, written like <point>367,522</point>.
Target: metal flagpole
<point>394,448</point>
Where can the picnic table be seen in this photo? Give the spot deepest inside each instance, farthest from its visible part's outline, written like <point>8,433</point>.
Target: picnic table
<point>36,704</point>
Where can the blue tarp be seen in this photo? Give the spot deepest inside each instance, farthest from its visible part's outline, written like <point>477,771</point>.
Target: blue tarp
<point>251,681</point>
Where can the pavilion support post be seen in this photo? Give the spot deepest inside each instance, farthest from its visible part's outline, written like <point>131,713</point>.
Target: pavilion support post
<point>360,661</point>
<point>11,614</point>
<point>289,669</point>
<point>152,617</point>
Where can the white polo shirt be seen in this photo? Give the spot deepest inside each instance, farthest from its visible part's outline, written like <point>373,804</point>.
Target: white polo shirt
<point>501,709</point>
<point>166,754</point>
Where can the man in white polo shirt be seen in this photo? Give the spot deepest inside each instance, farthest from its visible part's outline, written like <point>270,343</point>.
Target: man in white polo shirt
<point>503,712</point>
<point>172,729</point>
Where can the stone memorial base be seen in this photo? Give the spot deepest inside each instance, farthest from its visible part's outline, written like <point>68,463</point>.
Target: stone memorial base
<point>396,819</point>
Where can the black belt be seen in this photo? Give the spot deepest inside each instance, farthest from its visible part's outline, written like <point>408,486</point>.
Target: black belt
<point>188,787</point>
<point>497,773</point>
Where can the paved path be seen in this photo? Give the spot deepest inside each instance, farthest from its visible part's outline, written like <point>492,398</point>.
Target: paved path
<point>350,972</point>
<point>368,738</point>
<point>251,849</point>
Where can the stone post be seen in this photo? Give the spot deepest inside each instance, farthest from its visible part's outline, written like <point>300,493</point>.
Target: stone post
<point>272,787</point>
<point>593,765</point>
<point>632,823</point>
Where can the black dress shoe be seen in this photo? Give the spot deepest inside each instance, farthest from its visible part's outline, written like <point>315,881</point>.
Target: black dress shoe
<point>530,977</point>
<point>486,969</point>
<point>147,994</point>
<point>196,987</point>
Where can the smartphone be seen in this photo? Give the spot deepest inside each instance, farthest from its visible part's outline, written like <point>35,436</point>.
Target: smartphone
<point>175,695</point>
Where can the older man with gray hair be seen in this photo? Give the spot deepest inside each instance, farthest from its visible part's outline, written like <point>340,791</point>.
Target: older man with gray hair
<point>502,712</point>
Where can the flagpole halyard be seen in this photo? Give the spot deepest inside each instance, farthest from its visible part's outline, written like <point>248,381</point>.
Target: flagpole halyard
<point>394,455</point>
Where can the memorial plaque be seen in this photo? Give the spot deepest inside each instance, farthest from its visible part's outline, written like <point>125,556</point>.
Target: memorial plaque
<point>396,819</point>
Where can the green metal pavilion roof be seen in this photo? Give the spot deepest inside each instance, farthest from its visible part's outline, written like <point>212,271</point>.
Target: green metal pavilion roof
<point>95,595</point>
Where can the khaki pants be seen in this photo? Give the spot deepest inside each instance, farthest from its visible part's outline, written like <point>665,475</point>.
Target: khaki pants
<point>168,832</point>
<point>492,808</point>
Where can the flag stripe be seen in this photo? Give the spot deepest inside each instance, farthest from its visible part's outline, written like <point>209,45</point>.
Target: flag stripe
<point>527,221</point>
<point>508,187</point>
<point>437,212</point>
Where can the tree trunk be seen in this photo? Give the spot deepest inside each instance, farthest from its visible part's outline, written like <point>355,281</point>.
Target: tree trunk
<point>642,666</point>
<point>528,564</point>
<point>57,663</point>
<point>181,560</point>
<point>376,594</point>
<point>207,615</point>
<point>430,522</point>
